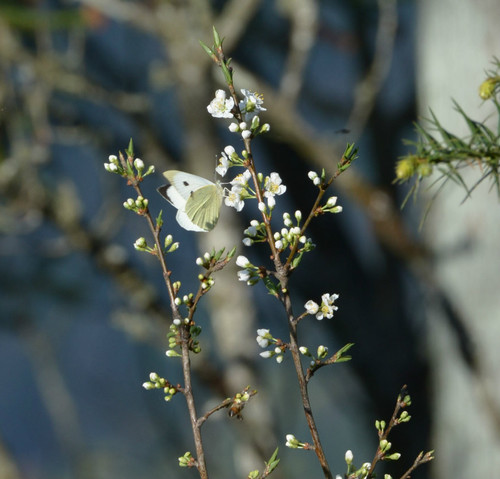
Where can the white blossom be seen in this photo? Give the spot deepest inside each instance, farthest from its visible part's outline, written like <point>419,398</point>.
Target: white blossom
<point>241,180</point>
<point>273,186</point>
<point>234,198</point>
<point>223,164</point>
<point>243,275</point>
<point>220,106</point>
<point>327,307</point>
<point>311,307</point>
<point>251,104</point>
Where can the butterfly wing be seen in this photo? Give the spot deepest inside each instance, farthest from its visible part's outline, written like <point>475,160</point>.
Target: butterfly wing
<point>170,193</point>
<point>183,219</point>
<point>185,183</point>
<point>203,206</point>
<point>191,192</point>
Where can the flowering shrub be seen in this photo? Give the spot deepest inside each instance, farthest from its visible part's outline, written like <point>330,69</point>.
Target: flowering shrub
<point>287,241</point>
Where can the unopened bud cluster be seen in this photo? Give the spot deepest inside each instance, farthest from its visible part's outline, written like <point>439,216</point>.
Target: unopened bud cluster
<point>315,178</point>
<point>169,245</point>
<point>249,273</point>
<point>331,206</point>
<point>266,340</point>
<point>293,443</point>
<point>157,382</point>
<point>404,417</point>
<point>385,447</point>
<point>321,353</point>
<point>139,206</point>
<point>115,166</point>
<point>255,233</point>
<point>361,473</point>
<point>187,460</point>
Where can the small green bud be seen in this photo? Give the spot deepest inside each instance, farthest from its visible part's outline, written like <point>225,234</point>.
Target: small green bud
<point>322,352</point>
<point>151,169</point>
<point>172,354</point>
<point>393,457</point>
<point>405,417</point>
<point>385,445</point>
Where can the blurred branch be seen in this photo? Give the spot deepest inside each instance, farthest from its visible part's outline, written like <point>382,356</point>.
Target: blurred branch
<point>303,17</point>
<point>367,90</point>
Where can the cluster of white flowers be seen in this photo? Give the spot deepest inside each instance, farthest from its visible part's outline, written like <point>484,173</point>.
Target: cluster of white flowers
<point>326,309</point>
<point>331,205</point>
<point>250,107</point>
<point>114,166</point>
<point>239,191</point>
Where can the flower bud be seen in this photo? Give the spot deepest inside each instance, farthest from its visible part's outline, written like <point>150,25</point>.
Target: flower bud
<point>139,164</point>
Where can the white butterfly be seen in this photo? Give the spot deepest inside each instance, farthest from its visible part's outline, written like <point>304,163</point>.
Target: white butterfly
<point>198,201</point>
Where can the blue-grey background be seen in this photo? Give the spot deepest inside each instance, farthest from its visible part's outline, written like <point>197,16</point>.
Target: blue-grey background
<point>76,344</point>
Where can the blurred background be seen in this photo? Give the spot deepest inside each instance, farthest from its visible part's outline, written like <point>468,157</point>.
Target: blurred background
<point>83,316</point>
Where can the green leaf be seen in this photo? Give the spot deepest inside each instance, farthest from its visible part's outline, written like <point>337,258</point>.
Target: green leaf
<point>274,456</point>
<point>296,261</point>
<point>159,220</point>
<point>130,149</point>
<point>217,40</point>
<point>207,49</point>
<point>271,287</point>
<point>273,462</point>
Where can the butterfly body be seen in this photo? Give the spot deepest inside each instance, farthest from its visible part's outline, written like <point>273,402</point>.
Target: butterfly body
<point>198,200</point>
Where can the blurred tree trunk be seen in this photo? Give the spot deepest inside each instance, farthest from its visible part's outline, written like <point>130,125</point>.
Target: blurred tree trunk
<point>457,40</point>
